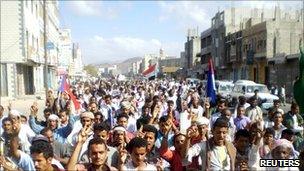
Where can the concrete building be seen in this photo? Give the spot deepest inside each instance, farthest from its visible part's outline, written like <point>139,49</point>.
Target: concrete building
<point>135,67</point>
<point>236,64</point>
<point>110,70</point>
<point>227,22</point>
<point>169,66</point>
<point>148,59</point>
<point>205,54</point>
<point>23,48</point>
<point>52,30</point>
<point>183,60</point>
<point>284,70</point>
<point>270,40</point>
<point>76,67</point>
<point>65,51</point>
<point>192,49</point>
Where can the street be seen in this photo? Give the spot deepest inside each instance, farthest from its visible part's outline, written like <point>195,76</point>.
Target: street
<point>23,105</point>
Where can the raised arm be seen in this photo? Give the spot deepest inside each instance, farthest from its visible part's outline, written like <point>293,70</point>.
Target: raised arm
<point>154,114</point>
<point>122,157</point>
<point>32,120</point>
<point>82,137</point>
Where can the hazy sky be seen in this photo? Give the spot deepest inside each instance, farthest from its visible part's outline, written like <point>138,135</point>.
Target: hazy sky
<point>110,31</point>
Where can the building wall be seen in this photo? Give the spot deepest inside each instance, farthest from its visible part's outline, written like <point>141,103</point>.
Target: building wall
<point>66,48</point>
<point>22,47</point>
<point>11,32</point>
<point>286,35</point>
<point>284,74</point>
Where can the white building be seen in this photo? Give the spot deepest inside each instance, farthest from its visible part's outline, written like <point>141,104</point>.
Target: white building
<point>135,67</point>
<point>76,65</point>
<point>22,47</point>
<point>148,59</point>
<point>65,51</point>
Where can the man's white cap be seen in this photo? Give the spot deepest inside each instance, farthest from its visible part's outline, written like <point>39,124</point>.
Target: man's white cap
<point>202,121</point>
<point>53,117</point>
<point>119,128</point>
<point>126,104</point>
<point>87,115</point>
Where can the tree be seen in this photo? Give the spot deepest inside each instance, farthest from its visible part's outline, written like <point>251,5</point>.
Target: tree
<point>91,69</point>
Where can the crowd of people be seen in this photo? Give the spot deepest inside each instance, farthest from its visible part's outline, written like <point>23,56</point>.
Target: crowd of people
<point>147,125</point>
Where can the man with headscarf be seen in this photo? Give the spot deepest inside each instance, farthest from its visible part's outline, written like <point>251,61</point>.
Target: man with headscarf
<point>24,132</point>
<point>282,149</point>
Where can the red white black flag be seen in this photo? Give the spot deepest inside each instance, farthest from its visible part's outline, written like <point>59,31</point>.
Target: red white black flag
<point>150,73</point>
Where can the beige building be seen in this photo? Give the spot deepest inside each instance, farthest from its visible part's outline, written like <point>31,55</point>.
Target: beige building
<point>267,40</point>
<point>192,49</point>
<point>169,66</point>
<point>22,47</point>
<point>147,60</point>
<point>227,22</point>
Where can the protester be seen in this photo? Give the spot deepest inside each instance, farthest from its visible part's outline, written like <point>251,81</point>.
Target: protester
<point>147,125</point>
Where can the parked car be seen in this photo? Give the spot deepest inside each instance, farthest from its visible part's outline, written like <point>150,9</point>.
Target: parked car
<point>224,88</point>
<point>247,88</point>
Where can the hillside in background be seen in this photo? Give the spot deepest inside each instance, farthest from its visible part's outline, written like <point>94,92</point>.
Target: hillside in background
<point>122,67</point>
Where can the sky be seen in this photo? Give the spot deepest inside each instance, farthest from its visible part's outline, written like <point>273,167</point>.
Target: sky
<point>112,31</point>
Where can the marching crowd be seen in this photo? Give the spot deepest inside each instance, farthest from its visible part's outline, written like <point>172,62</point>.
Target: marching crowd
<point>147,125</point>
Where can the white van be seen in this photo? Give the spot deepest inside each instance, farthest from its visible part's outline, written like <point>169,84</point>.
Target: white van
<point>247,87</point>
<point>193,81</point>
<point>224,87</point>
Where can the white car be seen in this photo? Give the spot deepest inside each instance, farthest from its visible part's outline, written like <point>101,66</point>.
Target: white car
<point>224,88</point>
<point>246,88</point>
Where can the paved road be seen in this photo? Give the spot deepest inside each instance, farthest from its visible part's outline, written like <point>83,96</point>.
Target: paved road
<point>23,105</point>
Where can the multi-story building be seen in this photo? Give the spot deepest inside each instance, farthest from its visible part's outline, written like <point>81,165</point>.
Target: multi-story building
<point>23,46</point>
<point>205,53</point>
<point>269,40</point>
<point>76,66</point>
<point>148,60</point>
<point>192,49</point>
<point>227,22</point>
<point>66,50</point>
<point>52,38</point>
<point>236,64</point>
<point>169,66</point>
<point>135,67</point>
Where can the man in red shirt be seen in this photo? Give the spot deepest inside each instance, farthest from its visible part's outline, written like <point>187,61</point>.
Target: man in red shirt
<point>174,157</point>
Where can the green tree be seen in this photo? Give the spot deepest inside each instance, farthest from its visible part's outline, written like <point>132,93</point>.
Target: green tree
<point>91,69</point>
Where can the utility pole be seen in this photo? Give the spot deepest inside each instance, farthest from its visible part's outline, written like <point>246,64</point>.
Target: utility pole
<point>45,48</point>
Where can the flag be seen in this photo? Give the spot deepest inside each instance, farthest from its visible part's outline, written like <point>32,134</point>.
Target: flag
<point>65,87</point>
<point>150,73</point>
<point>211,90</point>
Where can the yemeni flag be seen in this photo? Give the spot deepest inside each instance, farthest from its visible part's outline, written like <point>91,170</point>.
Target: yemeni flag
<point>150,73</point>
<point>211,89</point>
<point>65,87</point>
